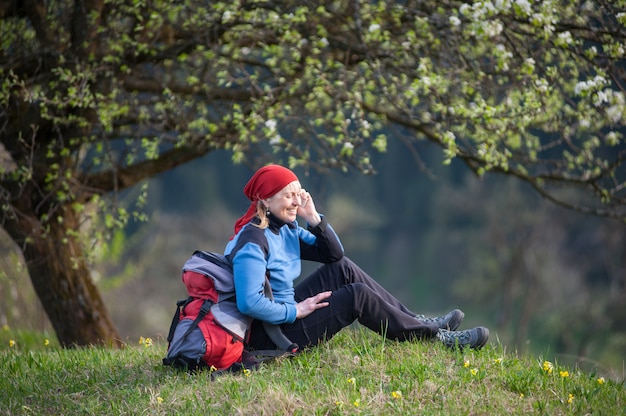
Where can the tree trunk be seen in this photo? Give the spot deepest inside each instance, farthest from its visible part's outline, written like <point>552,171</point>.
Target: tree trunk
<point>61,278</point>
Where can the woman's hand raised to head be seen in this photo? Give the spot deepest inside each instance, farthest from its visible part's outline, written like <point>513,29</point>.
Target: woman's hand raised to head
<point>310,305</point>
<point>307,210</point>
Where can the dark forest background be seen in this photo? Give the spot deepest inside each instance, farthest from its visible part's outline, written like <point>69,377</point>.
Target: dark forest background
<point>544,279</point>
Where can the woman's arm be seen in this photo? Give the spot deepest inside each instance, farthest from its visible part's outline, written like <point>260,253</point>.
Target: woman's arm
<point>320,243</point>
<point>249,267</point>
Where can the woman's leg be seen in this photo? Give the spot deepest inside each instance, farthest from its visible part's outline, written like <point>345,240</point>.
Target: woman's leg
<point>356,296</point>
<point>333,276</point>
<point>352,302</point>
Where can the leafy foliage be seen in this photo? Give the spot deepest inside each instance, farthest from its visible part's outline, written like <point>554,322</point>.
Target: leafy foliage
<point>531,89</point>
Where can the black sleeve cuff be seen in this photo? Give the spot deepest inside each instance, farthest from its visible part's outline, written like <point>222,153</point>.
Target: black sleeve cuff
<point>319,228</point>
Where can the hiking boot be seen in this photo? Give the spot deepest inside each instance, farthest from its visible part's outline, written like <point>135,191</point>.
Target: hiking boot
<point>472,338</point>
<point>449,321</point>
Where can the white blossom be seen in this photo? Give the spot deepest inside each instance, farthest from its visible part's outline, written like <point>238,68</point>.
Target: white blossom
<point>465,9</point>
<point>580,87</point>
<point>548,22</point>
<point>541,85</point>
<point>524,6</point>
<point>590,84</point>
<point>482,150</point>
<point>599,80</point>
<point>612,138</point>
<point>601,97</point>
<point>493,29</point>
<point>502,5</point>
<point>617,111</point>
<point>374,27</point>
<point>593,52</point>
<point>455,21</point>
<point>565,38</point>
<point>502,51</point>
<point>448,137</point>
<point>271,124</point>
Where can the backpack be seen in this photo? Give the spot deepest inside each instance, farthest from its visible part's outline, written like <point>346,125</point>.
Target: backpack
<point>207,329</point>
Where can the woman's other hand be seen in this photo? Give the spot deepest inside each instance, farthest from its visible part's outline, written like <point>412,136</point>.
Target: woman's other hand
<point>310,305</point>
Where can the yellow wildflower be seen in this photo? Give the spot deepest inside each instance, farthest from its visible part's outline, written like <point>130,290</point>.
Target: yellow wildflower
<point>600,380</point>
<point>46,342</point>
<point>159,399</point>
<point>12,343</point>
<point>521,395</point>
<point>148,342</point>
<point>564,373</point>
<point>474,371</point>
<point>396,394</point>
<point>141,340</point>
<point>548,367</point>
<point>466,364</point>
<point>246,372</point>
<point>498,360</point>
<point>570,398</point>
<point>352,380</point>
<point>356,403</point>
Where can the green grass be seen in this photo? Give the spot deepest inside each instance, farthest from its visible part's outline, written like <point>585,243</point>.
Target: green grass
<point>356,373</point>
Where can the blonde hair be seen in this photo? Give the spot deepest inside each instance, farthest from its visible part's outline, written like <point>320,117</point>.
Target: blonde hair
<point>261,212</point>
<point>261,209</point>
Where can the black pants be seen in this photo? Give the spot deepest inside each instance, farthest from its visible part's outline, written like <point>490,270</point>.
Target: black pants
<point>356,296</point>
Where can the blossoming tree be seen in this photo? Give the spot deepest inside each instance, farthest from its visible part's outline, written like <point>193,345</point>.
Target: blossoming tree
<point>98,95</point>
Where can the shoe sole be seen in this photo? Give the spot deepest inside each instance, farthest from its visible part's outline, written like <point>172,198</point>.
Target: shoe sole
<point>483,337</point>
<point>455,321</point>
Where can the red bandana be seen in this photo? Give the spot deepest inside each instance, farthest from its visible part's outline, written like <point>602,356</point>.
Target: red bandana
<point>265,183</point>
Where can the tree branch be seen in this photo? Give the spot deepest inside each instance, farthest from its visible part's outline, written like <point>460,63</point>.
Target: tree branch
<point>84,26</point>
<point>122,177</point>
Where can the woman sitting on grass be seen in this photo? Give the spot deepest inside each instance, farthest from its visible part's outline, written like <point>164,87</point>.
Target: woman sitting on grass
<point>269,244</point>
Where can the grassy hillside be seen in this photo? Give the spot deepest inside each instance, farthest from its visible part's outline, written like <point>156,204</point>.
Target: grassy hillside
<point>356,373</point>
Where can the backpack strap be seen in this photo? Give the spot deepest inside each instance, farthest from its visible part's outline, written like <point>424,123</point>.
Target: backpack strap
<point>204,309</point>
<point>251,360</point>
<point>273,331</point>
<point>182,362</point>
<point>278,337</point>
<point>176,318</point>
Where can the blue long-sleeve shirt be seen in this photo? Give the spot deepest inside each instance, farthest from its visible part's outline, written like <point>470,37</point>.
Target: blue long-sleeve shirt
<point>276,250</point>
